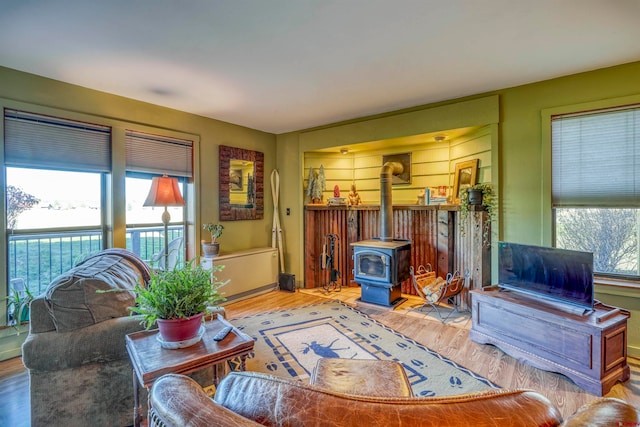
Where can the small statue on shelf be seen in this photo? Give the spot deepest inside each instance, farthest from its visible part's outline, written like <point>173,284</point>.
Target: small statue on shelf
<point>354,197</point>
<point>336,200</point>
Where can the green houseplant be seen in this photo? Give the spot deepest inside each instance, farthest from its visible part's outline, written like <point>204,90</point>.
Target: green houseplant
<point>478,194</point>
<point>212,248</point>
<point>18,307</point>
<point>172,298</point>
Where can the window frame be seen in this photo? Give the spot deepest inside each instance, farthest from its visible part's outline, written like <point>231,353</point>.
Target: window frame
<point>114,213</point>
<point>547,213</point>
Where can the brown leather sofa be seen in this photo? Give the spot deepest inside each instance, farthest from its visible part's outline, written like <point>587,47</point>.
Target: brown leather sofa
<point>253,399</point>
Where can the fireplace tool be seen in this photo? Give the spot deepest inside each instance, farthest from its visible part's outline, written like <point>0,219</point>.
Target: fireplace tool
<point>330,260</point>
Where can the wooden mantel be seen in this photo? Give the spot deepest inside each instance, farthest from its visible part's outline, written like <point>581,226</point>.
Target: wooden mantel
<point>433,231</point>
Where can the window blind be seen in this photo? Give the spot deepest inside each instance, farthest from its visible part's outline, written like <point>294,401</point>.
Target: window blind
<point>596,159</point>
<point>33,140</point>
<point>158,154</point>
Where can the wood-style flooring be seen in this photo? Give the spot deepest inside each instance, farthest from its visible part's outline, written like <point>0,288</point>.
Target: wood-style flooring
<point>449,338</point>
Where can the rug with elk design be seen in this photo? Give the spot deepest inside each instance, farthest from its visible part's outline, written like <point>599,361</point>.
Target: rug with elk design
<point>288,343</point>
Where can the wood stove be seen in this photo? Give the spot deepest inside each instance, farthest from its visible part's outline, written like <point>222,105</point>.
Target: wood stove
<point>380,268</point>
<point>382,264</point>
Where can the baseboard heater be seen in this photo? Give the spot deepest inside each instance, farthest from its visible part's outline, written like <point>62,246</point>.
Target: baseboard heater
<point>251,272</point>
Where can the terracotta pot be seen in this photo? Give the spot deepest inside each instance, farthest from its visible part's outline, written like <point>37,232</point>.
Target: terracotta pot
<point>174,330</point>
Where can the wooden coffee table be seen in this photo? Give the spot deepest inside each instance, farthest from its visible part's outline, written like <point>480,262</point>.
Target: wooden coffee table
<point>150,360</point>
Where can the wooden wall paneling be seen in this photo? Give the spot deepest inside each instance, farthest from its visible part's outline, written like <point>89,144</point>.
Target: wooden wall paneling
<point>369,225</point>
<point>445,242</point>
<point>319,223</point>
<point>353,235</point>
<point>403,229</point>
<point>434,233</point>
<point>344,262</point>
<point>311,244</point>
<point>472,255</point>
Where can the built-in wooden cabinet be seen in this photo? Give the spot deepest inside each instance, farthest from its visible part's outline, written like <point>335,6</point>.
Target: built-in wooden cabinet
<point>433,231</point>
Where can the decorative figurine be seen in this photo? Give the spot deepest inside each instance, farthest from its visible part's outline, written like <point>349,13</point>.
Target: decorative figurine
<point>316,184</point>
<point>354,197</point>
<point>336,191</point>
<point>421,197</point>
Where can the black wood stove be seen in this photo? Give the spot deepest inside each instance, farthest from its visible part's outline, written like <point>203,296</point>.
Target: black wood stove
<point>382,264</point>
<point>380,268</point>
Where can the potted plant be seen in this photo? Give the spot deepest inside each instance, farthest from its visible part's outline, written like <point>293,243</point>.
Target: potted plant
<point>211,249</point>
<point>18,307</point>
<point>177,301</point>
<point>478,194</point>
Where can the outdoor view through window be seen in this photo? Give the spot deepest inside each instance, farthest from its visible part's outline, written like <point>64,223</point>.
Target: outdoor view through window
<point>63,199</point>
<point>611,234</point>
<point>54,219</point>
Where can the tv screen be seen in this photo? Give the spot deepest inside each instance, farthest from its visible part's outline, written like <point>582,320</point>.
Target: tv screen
<point>559,274</point>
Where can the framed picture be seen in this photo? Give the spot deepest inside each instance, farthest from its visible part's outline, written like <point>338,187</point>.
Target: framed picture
<point>235,179</point>
<point>405,160</point>
<point>465,176</point>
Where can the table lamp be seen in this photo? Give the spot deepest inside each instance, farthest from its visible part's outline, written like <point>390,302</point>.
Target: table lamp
<point>164,192</point>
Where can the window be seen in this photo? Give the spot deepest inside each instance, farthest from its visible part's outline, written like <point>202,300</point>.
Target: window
<point>596,187</point>
<point>65,199</point>
<point>144,227</point>
<point>148,156</point>
<point>51,227</point>
<point>55,187</point>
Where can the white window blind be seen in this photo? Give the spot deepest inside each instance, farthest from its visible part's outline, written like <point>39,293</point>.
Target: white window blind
<point>159,154</point>
<point>33,140</point>
<point>596,159</point>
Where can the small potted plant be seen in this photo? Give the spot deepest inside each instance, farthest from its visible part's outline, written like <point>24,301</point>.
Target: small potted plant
<point>177,300</point>
<point>478,194</point>
<point>212,248</point>
<point>18,307</point>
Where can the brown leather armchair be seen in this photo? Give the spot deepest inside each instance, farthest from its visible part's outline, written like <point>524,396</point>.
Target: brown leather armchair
<point>253,399</point>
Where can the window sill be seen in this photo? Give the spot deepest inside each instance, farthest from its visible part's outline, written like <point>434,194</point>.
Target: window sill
<point>618,283</point>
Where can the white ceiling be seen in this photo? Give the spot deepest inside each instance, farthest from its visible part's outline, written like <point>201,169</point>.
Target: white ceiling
<point>283,65</point>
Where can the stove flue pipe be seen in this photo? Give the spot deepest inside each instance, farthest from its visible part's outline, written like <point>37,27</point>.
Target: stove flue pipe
<point>387,172</point>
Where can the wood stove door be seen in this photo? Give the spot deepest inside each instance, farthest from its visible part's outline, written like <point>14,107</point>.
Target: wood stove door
<point>372,265</point>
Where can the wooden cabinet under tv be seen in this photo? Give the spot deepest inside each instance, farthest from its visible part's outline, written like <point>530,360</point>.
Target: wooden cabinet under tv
<point>590,349</point>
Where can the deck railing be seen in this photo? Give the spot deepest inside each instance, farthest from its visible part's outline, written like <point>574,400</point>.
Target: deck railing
<point>39,257</point>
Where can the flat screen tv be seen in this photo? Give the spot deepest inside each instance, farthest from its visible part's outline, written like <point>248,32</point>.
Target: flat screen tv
<point>562,275</point>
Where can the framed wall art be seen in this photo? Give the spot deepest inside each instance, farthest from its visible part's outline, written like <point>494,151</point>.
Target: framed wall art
<point>465,176</point>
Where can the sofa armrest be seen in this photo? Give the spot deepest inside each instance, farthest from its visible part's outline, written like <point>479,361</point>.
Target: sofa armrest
<point>39,318</point>
<point>177,400</point>
<point>98,343</point>
<point>604,412</point>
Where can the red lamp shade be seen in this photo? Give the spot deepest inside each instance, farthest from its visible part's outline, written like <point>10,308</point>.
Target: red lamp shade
<point>164,192</point>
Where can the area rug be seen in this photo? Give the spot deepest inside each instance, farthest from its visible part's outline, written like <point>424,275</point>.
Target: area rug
<point>288,344</point>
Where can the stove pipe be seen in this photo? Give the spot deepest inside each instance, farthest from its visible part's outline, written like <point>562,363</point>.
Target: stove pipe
<point>386,207</point>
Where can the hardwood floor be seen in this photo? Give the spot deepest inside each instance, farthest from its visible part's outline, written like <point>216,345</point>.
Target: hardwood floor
<point>450,339</point>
